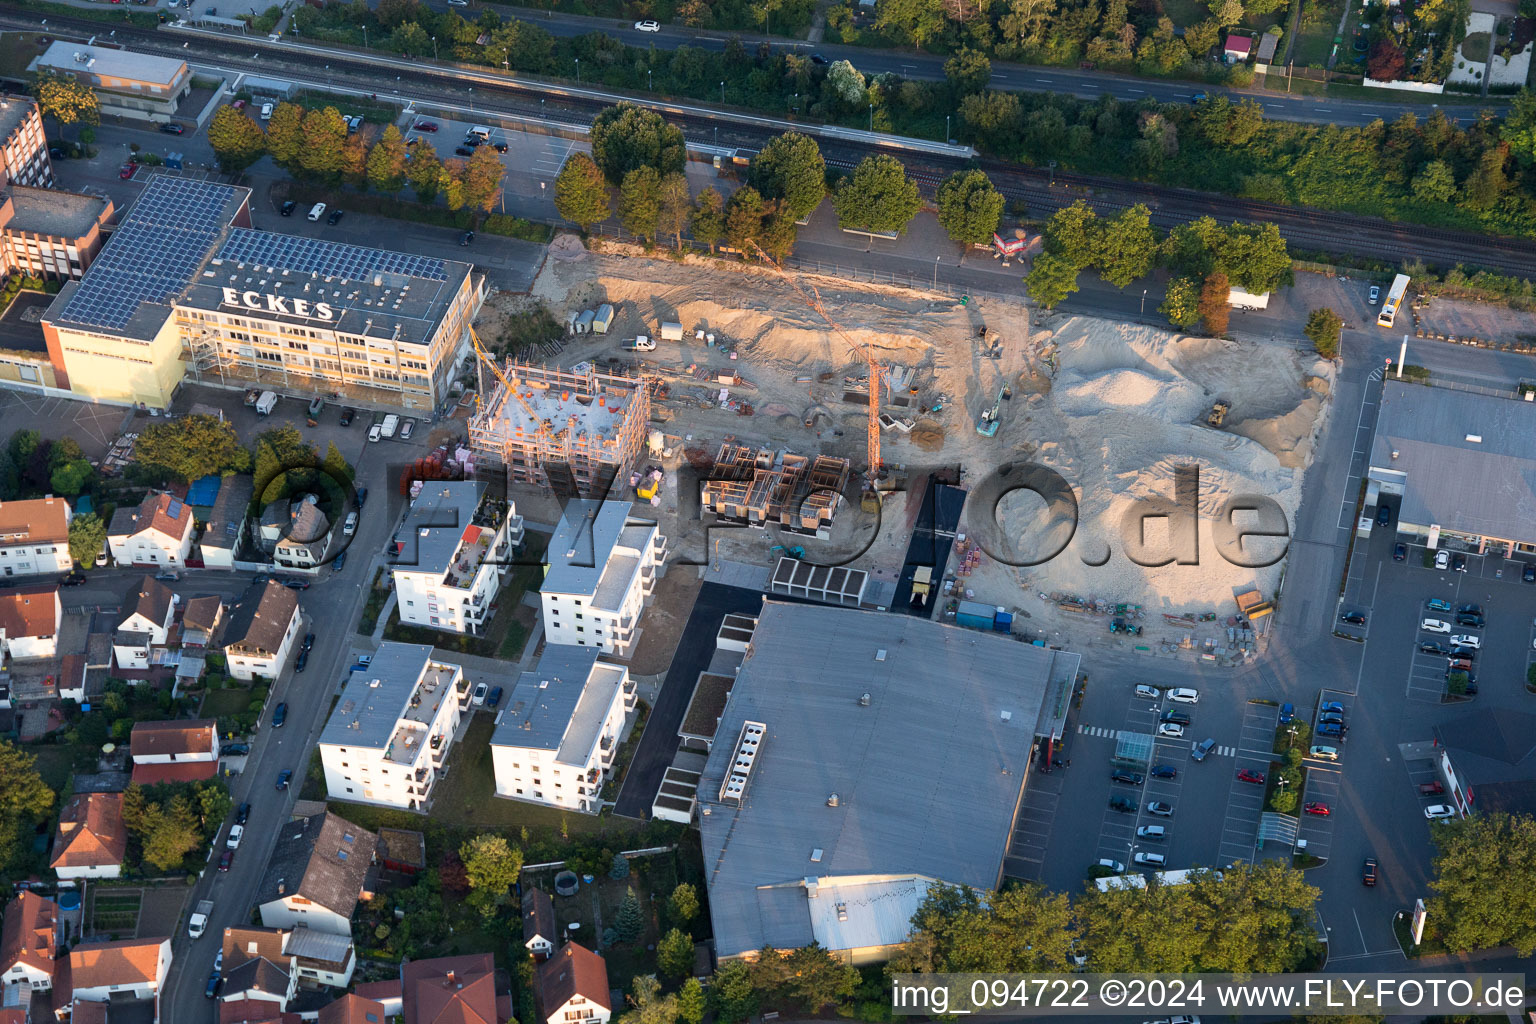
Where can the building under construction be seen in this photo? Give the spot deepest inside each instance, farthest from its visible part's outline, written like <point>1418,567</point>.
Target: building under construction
<point>574,433</point>
<point>759,487</point>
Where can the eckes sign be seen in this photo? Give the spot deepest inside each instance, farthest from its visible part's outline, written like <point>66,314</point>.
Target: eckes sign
<point>259,303</point>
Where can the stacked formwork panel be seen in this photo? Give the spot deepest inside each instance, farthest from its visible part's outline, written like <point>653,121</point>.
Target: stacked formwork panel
<point>758,487</point>
<point>573,433</point>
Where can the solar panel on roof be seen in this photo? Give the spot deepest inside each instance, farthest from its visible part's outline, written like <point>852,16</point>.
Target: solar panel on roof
<point>173,508</point>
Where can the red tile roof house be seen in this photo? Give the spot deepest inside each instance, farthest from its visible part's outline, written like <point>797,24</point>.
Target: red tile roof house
<point>133,969</point>
<point>573,986</point>
<point>29,941</point>
<point>355,1009</point>
<point>158,532</point>
<point>450,990</point>
<point>91,840</point>
<point>34,537</point>
<point>174,751</point>
<point>29,621</point>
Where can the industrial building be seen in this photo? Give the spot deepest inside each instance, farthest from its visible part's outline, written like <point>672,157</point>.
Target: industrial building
<point>49,234</point>
<point>23,145</point>
<point>186,287</point>
<point>861,757</point>
<point>137,86</point>
<point>602,565</point>
<point>759,487</point>
<point>573,433</point>
<point>1427,437</point>
<point>451,554</point>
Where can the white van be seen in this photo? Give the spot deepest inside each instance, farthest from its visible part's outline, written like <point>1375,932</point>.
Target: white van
<point>479,132</point>
<point>266,111</point>
<point>1151,860</point>
<point>317,211</point>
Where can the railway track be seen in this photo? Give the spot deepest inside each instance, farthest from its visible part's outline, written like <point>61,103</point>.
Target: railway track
<point>1305,228</point>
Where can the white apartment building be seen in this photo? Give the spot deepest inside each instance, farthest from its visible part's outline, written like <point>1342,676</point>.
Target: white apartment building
<point>389,735</point>
<point>451,554</point>
<point>555,741</point>
<point>34,537</point>
<point>158,532</point>
<point>600,572</point>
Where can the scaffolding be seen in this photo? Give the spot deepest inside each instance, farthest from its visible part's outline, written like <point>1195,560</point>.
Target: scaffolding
<point>572,433</point>
<point>759,487</point>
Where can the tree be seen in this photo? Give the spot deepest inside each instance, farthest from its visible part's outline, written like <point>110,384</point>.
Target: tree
<point>581,193</point>
<point>968,71</point>
<point>1181,303</point>
<point>282,463</point>
<point>482,179</point>
<point>1487,183</point>
<point>1214,310</point>
<point>1075,235</point>
<point>878,196</point>
<point>23,444</point>
<point>919,20</point>
<point>690,1002</point>
<point>1227,12</point>
<point>237,141</point>
<point>1482,900</point>
<point>24,798</point>
<point>744,213</point>
<point>1129,246</point>
<point>1051,279</point>
<point>1519,129</point>
<point>334,466</point>
<point>970,208</point>
<point>1386,62</point>
<point>956,930</point>
<point>683,904</point>
<point>87,534</point>
<point>1323,326</point>
<point>325,140</point>
<point>387,162</point>
<point>731,992</point>
<point>649,1006</point>
<point>168,829</point>
<point>492,865</point>
<point>640,202</point>
<point>425,173</point>
<point>66,99</point>
<point>709,218</point>
<point>1255,258</point>
<point>1193,247</point>
<point>1435,183</point>
<point>791,168</point>
<point>285,135</point>
<point>619,868</point>
<point>192,447</point>
<point>627,922</point>
<point>674,954</point>
<point>626,137</point>
<point>70,478</point>
<point>674,208</point>
<point>846,83</point>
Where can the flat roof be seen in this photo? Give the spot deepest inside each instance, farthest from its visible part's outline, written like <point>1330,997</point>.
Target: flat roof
<point>599,414</point>
<point>584,542</point>
<point>1484,487</point>
<point>375,699</point>
<point>104,60</point>
<point>927,776</point>
<point>560,704</point>
<point>13,111</point>
<point>47,211</point>
<point>436,525</point>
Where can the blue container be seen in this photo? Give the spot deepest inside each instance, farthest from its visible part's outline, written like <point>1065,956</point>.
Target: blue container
<point>1003,623</point>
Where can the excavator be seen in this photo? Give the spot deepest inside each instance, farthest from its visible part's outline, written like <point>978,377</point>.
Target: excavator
<point>986,426</point>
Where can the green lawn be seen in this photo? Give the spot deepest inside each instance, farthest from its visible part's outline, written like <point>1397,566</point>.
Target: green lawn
<point>1313,46</point>
<point>1186,12</point>
<point>55,762</point>
<point>225,703</point>
<point>16,51</point>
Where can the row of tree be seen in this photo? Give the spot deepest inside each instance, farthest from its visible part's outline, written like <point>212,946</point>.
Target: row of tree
<point>32,466</point>
<point>314,145</point>
<point>1206,259</point>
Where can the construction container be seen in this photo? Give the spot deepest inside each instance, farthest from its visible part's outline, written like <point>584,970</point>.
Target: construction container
<point>603,319</point>
<point>1003,623</point>
<point>976,615</point>
<point>584,322</point>
<point>671,332</point>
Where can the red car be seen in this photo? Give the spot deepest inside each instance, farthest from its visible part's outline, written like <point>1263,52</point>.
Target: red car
<point>225,859</point>
<point>426,126</point>
<point>127,171</point>
<point>1249,775</point>
<point>1321,810</point>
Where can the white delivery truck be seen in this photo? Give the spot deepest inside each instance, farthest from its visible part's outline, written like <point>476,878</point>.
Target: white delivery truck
<point>640,344</point>
<point>266,403</point>
<point>390,423</point>
<point>199,922</point>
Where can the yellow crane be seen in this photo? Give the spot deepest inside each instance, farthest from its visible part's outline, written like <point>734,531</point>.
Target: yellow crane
<point>813,300</point>
<point>542,429</point>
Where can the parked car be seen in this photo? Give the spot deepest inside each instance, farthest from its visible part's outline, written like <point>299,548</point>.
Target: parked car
<point>1180,717</point>
<point>1375,294</point>
<point>1324,753</point>
<point>1435,626</point>
<point>1431,788</point>
<point>425,126</point>
<point>1352,619</point>
<point>1287,713</point>
<point>349,527</point>
<point>1399,552</point>
<point>1469,609</point>
<point>1150,860</point>
<point>1460,661</point>
<point>1434,647</point>
<point>167,577</point>
<point>127,171</point>
<point>235,750</point>
<point>309,642</point>
<point>1184,695</point>
<point>500,147</point>
<point>1368,872</point>
<point>73,578</point>
<point>466,238</point>
<point>1156,832</point>
<point>287,208</point>
<point>362,496</point>
<point>1129,778</point>
<point>1439,812</point>
<point>242,813</point>
<point>172,129</point>
<point>480,693</point>
<point>819,60</point>
<point>212,988</point>
<point>1459,563</point>
<point>1249,775</point>
<point>283,778</point>
<point>1123,804</point>
<point>1467,640</point>
<point>1164,771</point>
<point>280,715</point>
<point>339,561</point>
<point>463,151</point>
<point>1160,809</point>
<point>1383,515</point>
<point>1110,864</point>
<point>494,697</point>
<point>301,661</point>
<point>1149,692</point>
<point>1317,808</point>
<point>236,833</point>
<point>1330,718</point>
<point>294,582</point>
<point>347,416</point>
<point>1442,559</point>
<point>1528,574</point>
<point>226,859</point>
<point>1470,620</point>
<point>1436,604</point>
<point>1332,729</point>
<point>335,216</point>
<point>1170,729</point>
<point>407,428</point>
<point>1331,705</point>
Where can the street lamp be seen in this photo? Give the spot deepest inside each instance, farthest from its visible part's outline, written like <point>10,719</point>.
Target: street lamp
<point>722,94</point>
<point>936,271</point>
<point>1053,173</point>
<point>434,47</point>
<point>578,69</point>
<point>648,80</point>
<point>1143,300</point>
<point>365,37</point>
<point>946,129</point>
<point>871,117</point>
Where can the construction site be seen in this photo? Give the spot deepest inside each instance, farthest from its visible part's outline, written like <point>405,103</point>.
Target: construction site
<point>818,410</point>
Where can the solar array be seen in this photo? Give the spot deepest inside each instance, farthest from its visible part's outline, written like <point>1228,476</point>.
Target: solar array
<point>327,259</point>
<point>154,253</point>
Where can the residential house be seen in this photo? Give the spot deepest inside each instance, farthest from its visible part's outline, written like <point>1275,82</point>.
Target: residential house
<point>539,934</point>
<point>601,569</point>
<point>305,954</point>
<point>91,840</point>
<point>316,875</point>
<point>1236,47</point>
<point>253,1011</point>
<point>385,993</point>
<point>388,738</point>
<point>298,534</point>
<point>34,537</point>
<point>450,989</point>
<point>555,741</point>
<point>255,968</point>
<point>225,531</point>
<point>102,972</point>
<point>29,941</point>
<point>184,751</point>
<point>573,986</point>
<point>201,620</point>
<point>451,554</point>
<point>151,609</point>
<point>30,618</point>
<point>261,631</point>
<point>353,1009</point>
<point>157,532</point>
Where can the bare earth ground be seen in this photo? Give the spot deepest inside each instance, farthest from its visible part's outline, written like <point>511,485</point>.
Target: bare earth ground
<point>1112,407</point>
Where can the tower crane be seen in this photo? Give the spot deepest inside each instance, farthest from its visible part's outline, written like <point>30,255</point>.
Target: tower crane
<point>813,300</point>
<point>542,428</point>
